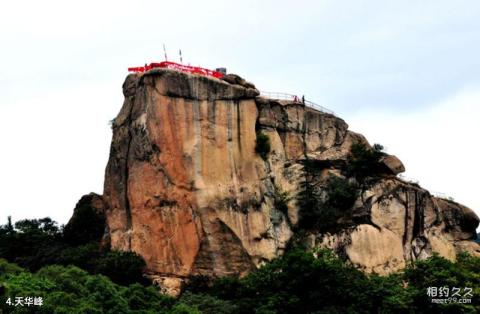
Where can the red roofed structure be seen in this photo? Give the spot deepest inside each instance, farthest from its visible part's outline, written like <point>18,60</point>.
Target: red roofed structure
<point>178,67</point>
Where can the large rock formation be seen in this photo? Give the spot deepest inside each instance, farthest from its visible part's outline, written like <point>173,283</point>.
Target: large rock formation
<point>185,188</point>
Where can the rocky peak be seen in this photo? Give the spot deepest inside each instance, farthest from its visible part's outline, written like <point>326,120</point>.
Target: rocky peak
<point>186,189</point>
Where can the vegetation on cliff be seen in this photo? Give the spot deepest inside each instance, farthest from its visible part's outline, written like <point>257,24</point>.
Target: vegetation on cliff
<point>262,145</point>
<point>281,199</point>
<point>327,207</point>
<point>364,161</point>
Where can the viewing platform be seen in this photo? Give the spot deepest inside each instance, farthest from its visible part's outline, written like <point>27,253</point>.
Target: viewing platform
<point>296,99</point>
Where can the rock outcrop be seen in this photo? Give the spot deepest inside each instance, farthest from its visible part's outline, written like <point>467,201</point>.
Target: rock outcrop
<point>88,223</point>
<point>186,190</point>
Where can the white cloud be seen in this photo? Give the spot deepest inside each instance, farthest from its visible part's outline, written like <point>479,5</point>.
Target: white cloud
<point>439,145</point>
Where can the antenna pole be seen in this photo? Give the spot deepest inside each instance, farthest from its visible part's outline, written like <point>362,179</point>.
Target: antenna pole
<point>165,52</point>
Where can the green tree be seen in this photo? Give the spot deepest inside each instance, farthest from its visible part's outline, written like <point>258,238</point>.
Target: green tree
<point>31,243</point>
<point>72,290</point>
<point>437,272</point>
<point>262,146</point>
<point>140,298</point>
<point>34,243</point>
<point>208,304</point>
<point>86,224</point>
<point>363,161</point>
<point>182,308</point>
<point>299,282</point>
<point>280,200</point>
<point>323,212</point>
<point>122,267</point>
<point>7,268</point>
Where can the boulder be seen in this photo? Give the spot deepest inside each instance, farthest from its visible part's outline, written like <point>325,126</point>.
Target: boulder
<point>393,164</point>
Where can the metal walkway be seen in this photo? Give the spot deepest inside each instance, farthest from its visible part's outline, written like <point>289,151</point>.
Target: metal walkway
<point>295,99</point>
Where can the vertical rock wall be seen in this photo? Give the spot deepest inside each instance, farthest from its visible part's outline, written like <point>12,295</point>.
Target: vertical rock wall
<point>185,189</point>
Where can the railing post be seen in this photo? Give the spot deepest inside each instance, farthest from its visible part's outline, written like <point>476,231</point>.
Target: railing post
<point>290,97</point>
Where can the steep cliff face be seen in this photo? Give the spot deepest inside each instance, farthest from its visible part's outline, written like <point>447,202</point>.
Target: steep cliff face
<point>185,188</point>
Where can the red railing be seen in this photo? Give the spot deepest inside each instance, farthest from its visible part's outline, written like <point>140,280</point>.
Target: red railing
<point>178,67</point>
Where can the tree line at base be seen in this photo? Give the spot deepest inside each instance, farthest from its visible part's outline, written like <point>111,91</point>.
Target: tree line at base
<point>38,260</point>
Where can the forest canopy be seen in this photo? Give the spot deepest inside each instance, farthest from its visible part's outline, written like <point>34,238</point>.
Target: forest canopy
<point>37,261</point>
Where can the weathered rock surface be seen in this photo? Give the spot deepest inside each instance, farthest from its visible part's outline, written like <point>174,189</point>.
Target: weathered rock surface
<point>393,164</point>
<point>405,223</point>
<point>185,189</point>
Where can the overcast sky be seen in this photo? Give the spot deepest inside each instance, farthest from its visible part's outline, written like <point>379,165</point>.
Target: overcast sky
<point>403,73</point>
